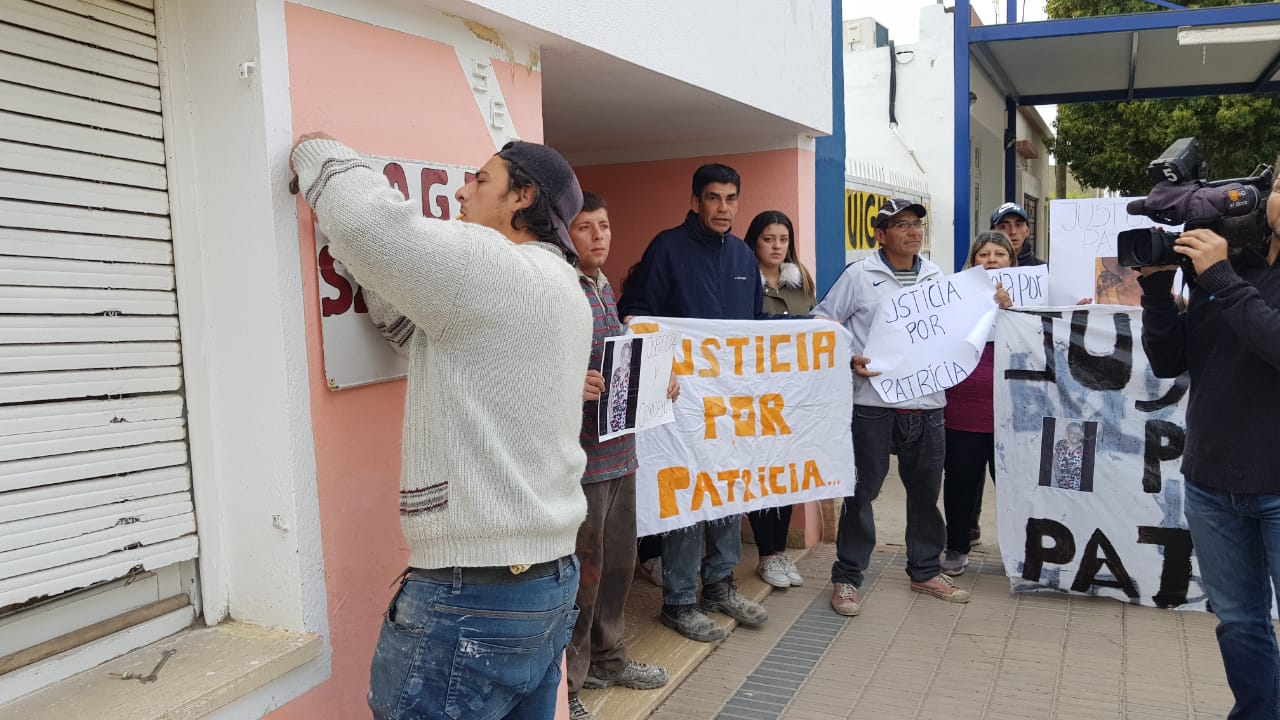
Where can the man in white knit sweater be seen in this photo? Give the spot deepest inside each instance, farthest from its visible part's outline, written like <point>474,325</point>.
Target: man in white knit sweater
<point>498,333</point>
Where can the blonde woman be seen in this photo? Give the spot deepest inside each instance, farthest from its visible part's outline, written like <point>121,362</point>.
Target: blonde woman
<point>970,424</point>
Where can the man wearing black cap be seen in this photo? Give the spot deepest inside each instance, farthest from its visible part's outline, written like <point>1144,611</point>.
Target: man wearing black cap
<point>498,334</point>
<point>1012,220</point>
<point>912,430</point>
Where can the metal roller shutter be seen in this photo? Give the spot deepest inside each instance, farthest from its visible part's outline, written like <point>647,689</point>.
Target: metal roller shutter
<point>94,482</point>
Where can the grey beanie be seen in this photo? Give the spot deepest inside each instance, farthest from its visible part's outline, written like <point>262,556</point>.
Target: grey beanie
<point>555,180</point>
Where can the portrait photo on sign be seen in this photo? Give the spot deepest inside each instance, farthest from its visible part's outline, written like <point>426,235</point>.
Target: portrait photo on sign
<point>621,396</point>
<point>1068,449</point>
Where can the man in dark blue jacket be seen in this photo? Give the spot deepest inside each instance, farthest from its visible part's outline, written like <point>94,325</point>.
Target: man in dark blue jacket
<point>701,270</point>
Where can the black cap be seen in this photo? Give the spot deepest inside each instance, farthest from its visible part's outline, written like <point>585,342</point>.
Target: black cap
<point>555,180</point>
<point>895,207</point>
<point>1008,209</point>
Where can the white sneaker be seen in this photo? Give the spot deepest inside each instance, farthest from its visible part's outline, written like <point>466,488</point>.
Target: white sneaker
<point>793,572</point>
<point>773,570</point>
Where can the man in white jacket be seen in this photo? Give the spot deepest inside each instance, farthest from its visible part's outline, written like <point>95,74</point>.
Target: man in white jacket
<point>912,430</point>
<point>498,333</point>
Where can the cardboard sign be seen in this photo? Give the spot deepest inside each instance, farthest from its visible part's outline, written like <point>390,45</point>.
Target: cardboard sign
<point>763,420</point>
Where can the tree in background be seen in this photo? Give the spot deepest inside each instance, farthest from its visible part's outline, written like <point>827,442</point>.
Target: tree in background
<point>1109,144</point>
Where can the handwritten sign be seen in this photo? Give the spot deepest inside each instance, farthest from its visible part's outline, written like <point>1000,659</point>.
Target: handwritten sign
<point>354,352</point>
<point>636,373</point>
<point>1081,232</point>
<point>1027,286</point>
<point>926,338</point>
<point>1088,447</point>
<point>754,422</point>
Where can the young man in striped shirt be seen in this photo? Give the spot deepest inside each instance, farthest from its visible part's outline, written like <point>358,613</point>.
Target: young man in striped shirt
<point>606,545</point>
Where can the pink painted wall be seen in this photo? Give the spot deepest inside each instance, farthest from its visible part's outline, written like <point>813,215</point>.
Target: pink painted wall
<point>648,197</point>
<point>368,87</point>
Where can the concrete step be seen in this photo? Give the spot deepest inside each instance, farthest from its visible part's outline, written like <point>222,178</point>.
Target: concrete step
<point>649,641</point>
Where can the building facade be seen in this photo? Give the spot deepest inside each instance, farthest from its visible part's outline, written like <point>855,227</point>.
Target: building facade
<point>900,116</point>
<point>178,467</point>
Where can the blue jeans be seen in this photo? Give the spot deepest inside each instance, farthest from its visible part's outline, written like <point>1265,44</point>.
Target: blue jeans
<point>919,442</point>
<point>1237,541</point>
<point>682,556</point>
<point>480,652</point>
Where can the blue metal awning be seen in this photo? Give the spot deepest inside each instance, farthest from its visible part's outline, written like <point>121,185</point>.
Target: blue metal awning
<point>1127,57</point>
<point>1116,57</point>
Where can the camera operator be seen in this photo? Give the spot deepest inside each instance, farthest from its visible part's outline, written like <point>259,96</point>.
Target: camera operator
<point>1228,340</point>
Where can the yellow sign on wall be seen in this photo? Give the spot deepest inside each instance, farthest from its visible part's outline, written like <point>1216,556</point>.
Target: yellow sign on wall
<point>860,208</point>
<point>861,205</point>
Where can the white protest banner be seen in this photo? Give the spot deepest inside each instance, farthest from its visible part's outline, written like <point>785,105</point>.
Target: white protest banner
<point>1027,286</point>
<point>926,338</point>
<point>354,352</point>
<point>762,421</point>
<point>636,370</point>
<point>1082,251</point>
<point>1088,444</point>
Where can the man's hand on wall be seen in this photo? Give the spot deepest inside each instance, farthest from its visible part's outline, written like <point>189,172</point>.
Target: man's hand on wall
<point>304,137</point>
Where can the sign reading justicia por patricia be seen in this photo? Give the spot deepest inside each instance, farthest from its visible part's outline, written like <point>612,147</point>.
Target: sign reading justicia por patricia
<point>762,421</point>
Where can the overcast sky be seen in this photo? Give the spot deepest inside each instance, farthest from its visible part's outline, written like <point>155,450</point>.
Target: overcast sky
<point>902,17</point>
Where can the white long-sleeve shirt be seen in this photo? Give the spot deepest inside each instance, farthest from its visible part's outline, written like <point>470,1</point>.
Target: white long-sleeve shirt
<point>854,301</point>
<point>498,347</point>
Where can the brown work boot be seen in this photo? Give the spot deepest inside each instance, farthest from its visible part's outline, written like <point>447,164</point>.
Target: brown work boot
<point>943,588</point>
<point>844,599</point>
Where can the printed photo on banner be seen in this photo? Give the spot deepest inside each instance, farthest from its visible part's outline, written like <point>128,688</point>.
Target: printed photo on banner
<point>929,337</point>
<point>1067,454</point>
<point>753,424</point>
<point>1077,409</point>
<point>636,372</point>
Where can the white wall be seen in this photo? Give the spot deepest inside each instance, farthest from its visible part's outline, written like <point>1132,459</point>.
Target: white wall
<point>926,126</point>
<point>986,126</point>
<point>707,43</point>
<point>228,134</point>
<point>926,118</point>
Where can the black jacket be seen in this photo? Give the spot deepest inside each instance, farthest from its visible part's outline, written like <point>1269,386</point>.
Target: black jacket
<point>1027,256</point>
<point>692,272</point>
<point>1229,341</point>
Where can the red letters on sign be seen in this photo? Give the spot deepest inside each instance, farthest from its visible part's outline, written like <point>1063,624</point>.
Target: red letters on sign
<point>345,299</point>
